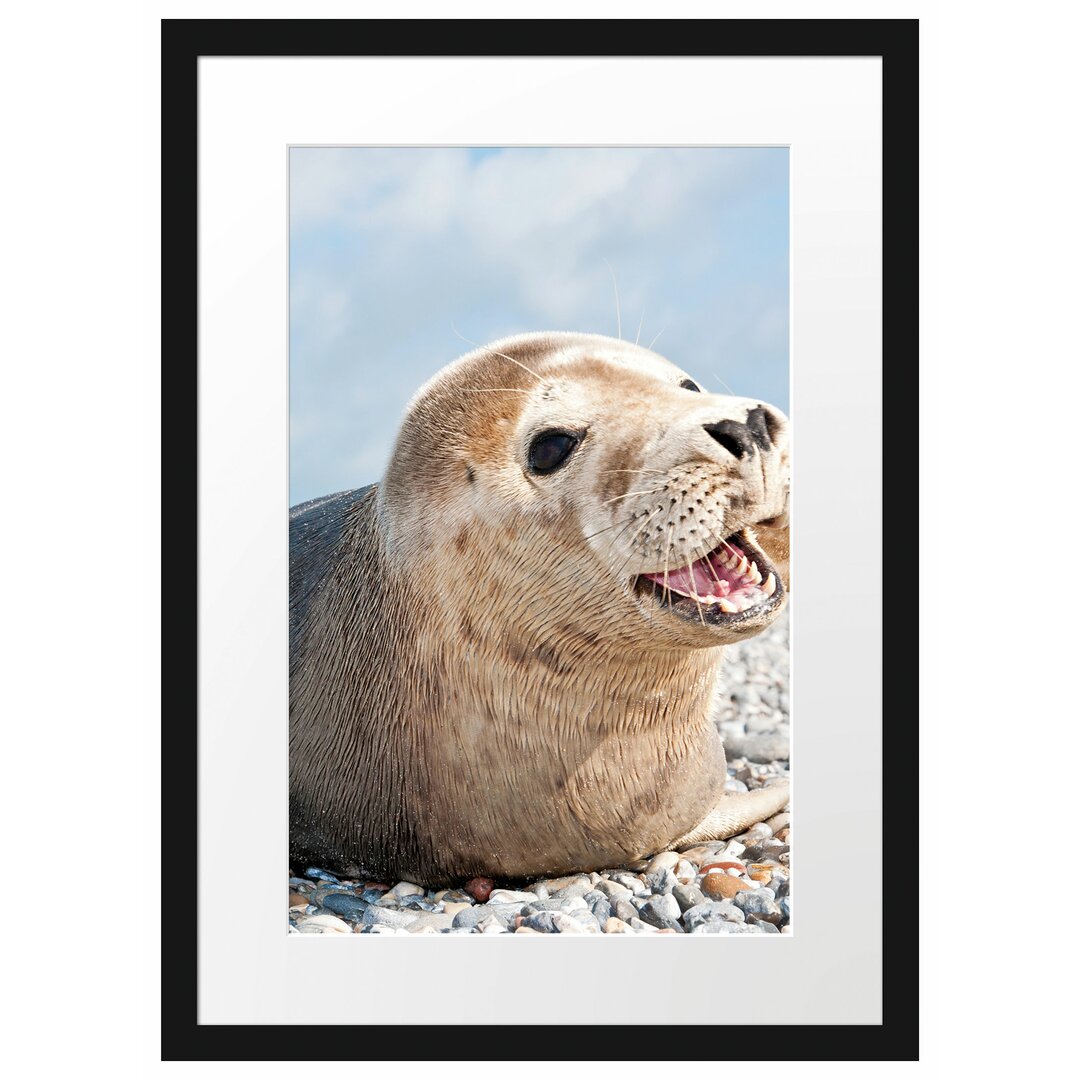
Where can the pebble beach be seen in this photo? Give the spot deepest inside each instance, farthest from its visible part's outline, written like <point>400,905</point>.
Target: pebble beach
<point>735,886</point>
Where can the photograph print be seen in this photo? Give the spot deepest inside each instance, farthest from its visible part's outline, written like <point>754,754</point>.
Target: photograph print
<point>539,581</point>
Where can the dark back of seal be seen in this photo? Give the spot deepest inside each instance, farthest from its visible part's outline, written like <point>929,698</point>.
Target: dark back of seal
<point>316,528</point>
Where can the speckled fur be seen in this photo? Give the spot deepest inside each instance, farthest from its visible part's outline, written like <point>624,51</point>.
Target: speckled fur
<point>475,689</point>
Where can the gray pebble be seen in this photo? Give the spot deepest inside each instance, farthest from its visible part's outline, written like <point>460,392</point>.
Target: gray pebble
<point>613,890</point>
<point>348,905</point>
<point>479,918</point>
<point>761,748</point>
<point>541,921</point>
<point>323,891</point>
<point>715,911</point>
<point>556,903</point>
<point>625,910</point>
<point>420,902</point>
<point>323,924</point>
<point>631,882</point>
<point>779,883</point>
<point>587,919</point>
<point>785,908</point>
<point>568,924</point>
<point>762,723</point>
<point>688,896</point>
<point>506,913</point>
<point>662,881</point>
<point>766,849</point>
<point>599,905</point>
<point>319,875</point>
<point>431,920</point>
<point>720,927</point>
<point>457,896</point>
<point>662,912</point>
<point>385,916</point>
<point>509,896</point>
<point>575,891</point>
<point>756,903</point>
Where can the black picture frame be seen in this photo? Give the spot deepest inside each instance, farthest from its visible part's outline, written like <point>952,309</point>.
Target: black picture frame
<point>182,43</point>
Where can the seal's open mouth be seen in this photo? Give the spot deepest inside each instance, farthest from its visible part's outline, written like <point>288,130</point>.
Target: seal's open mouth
<point>733,583</point>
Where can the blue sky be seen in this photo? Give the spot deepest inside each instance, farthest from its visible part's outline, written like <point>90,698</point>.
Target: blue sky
<point>393,249</point>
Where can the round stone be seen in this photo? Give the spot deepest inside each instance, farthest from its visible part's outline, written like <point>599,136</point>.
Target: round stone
<point>722,886</point>
<point>479,888</point>
<point>346,905</point>
<point>666,860</point>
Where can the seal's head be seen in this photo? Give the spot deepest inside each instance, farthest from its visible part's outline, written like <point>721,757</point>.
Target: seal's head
<point>574,482</point>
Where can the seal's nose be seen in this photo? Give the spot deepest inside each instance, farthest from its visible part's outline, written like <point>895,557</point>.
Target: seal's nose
<point>741,438</point>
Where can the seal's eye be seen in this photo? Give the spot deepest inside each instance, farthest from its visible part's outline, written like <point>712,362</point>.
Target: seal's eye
<point>689,384</point>
<point>549,450</point>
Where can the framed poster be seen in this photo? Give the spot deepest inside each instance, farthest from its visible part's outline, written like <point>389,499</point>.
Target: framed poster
<point>266,125</point>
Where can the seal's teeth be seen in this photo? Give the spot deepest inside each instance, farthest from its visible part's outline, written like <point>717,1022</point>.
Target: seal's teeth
<point>770,586</point>
<point>755,573</point>
<point>743,565</point>
<point>728,606</point>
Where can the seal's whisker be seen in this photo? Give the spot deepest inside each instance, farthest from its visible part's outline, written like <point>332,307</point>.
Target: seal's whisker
<point>667,555</point>
<point>495,352</point>
<point>618,312</point>
<point>659,472</point>
<point>656,339</point>
<point>634,539</point>
<point>629,521</point>
<point>651,491</point>
<point>641,323</point>
<point>496,390</point>
<point>701,614</point>
<point>723,383</point>
<point>607,528</point>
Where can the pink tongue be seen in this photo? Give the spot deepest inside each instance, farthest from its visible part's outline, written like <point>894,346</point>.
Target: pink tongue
<point>695,578</point>
<point>687,579</point>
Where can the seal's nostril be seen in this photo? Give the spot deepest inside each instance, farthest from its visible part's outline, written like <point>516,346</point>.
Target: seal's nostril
<point>732,436</point>
<point>773,421</point>
<point>757,421</point>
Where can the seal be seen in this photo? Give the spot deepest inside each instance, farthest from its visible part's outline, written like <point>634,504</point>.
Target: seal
<point>504,656</point>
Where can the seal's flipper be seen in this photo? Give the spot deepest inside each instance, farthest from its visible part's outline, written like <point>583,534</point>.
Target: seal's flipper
<point>736,812</point>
